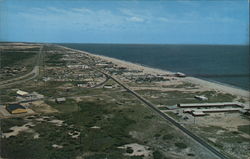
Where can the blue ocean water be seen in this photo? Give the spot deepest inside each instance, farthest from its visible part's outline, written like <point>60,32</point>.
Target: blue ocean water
<point>227,64</point>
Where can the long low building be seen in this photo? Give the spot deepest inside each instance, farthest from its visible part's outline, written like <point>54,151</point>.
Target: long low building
<point>223,104</point>
<point>202,112</point>
<point>16,108</point>
<point>219,110</point>
<point>198,113</point>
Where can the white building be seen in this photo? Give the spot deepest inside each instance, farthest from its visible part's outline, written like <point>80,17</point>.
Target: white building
<point>22,93</point>
<point>108,86</point>
<point>203,98</point>
<point>60,100</point>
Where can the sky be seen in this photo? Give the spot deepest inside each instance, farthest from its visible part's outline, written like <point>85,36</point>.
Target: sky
<point>125,21</point>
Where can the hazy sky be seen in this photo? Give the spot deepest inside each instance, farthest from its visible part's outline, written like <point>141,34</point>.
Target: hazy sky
<point>131,21</point>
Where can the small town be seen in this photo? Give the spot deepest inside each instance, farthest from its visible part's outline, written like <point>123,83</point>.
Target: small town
<point>64,81</point>
<point>129,79</point>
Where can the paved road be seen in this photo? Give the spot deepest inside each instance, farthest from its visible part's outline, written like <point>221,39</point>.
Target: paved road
<point>29,76</point>
<point>169,119</point>
<point>100,84</point>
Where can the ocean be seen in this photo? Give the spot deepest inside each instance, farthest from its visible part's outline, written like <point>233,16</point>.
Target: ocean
<point>227,64</point>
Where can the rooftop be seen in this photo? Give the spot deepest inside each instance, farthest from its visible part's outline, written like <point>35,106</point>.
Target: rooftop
<point>12,107</point>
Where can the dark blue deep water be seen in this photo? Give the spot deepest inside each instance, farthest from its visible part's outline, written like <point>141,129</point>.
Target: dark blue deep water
<point>228,64</point>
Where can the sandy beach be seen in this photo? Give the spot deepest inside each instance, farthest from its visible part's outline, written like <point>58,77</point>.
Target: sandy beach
<point>202,83</point>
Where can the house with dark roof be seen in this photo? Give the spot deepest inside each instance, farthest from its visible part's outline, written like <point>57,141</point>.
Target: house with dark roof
<point>16,108</point>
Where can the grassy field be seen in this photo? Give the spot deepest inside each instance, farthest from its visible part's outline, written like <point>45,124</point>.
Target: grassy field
<point>12,58</point>
<point>7,95</point>
<point>120,124</point>
<point>175,97</point>
<point>54,60</point>
<point>231,142</point>
<point>244,128</point>
<point>101,119</point>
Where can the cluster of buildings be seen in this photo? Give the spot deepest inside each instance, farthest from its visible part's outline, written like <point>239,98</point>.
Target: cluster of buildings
<point>22,97</point>
<point>16,109</point>
<point>202,109</point>
<point>80,73</point>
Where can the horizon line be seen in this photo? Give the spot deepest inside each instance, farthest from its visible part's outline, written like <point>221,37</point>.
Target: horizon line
<point>91,43</point>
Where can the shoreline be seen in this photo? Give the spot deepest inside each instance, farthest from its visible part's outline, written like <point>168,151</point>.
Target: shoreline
<point>147,69</point>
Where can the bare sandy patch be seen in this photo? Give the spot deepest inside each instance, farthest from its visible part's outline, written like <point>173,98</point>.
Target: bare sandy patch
<point>36,136</point>
<point>18,129</point>
<point>57,146</point>
<point>74,134</point>
<point>138,150</point>
<point>41,107</point>
<point>95,127</point>
<point>222,120</point>
<point>56,122</point>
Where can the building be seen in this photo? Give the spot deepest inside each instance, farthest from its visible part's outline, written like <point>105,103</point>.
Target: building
<point>22,93</point>
<point>222,104</point>
<point>108,86</point>
<point>81,85</point>
<point>215,110</point>
<point>78,66</point>
<point>36,96</point>
<point>202,98</point>
<point>16,109</point>
<point>198,113</point>
<point>60,100</point>
<point>179,74</point>
<point>203,112</point>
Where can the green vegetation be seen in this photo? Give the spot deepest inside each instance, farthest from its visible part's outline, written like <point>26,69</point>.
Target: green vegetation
<point>129,150</point>
<point>235,139</point>
<point>14,57</point>
<point>110,82</point>
<point>217,97</point>
<point>6,124</point>
<point>114,132</point>
<point>163,108</point>
<point>149,117</point>
<point>211,129</point>
<point>69,105</point>
<point>242,100</point>
<point>7,95</point>
<point>96,122</point>
<point>167,137</point>
<point>136,157</point>
<point>180,145</point>
<point>175,97</point>
<point>103,155</point>
<point>116,122</point>
<point>158,155</point>
<point>17,62</point>
<point>187,85</point>
<point>54,60</point>
<point>244,128</point>
<point>24,146</point>
<point>225,138</point>
<point>157,135</point>
<point>173,115</point>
